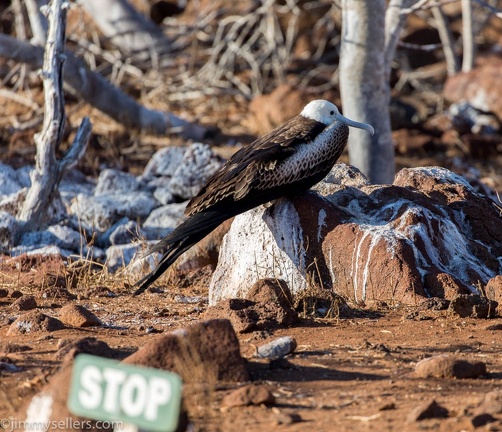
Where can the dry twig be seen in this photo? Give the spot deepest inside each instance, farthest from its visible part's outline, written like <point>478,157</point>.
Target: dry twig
<point>491,8</point>
<point>394,24</point>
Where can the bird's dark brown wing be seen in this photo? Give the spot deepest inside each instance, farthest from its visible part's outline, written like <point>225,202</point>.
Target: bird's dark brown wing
<point>226,193</point>
<point>235,178</point>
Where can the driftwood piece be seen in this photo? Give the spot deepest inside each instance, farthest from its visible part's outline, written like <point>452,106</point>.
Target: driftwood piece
<point>48,170</point>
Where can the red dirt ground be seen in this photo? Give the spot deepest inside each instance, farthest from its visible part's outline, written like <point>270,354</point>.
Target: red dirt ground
<point>347,374</point>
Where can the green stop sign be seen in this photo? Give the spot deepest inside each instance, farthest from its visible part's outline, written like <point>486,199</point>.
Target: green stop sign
<point>104,389</point>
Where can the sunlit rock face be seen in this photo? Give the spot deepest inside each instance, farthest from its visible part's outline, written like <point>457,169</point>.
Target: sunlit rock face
<point>427,235</point>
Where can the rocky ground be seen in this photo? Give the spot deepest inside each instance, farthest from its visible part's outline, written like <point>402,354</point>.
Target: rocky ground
<point>359,370</point>
<point>410,341</point>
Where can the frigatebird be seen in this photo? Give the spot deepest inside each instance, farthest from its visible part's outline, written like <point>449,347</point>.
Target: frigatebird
<point>285,162</point>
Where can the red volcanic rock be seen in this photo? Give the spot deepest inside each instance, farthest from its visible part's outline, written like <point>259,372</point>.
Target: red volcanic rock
<point>78,316</point>
<point>271,110</point>
<point>34,321</point>
<point>446,366</point>
<point>205,352</point>
<point>268,305</point>
<point>480,87</point>
<point>427,410</point>
<point>427,235</point>
<point>473,306</point>
<point>49,406</point>
<point>249,395</point>
<point>24,303</point>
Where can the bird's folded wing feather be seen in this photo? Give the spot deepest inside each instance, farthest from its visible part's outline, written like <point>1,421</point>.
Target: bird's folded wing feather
<point>236,177</point>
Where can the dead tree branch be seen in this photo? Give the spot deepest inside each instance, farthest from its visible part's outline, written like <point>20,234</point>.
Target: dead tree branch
<point>48,171</point>
<point>98,92</point>
<point>469,47</point>
<point>394,24</point>
<point>38,22</point>
<point>128,30</point>
<point>452,62</point>
<point>253,41</point>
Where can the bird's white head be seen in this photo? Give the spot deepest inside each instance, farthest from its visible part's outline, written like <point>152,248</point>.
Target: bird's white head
<point>325,112</point>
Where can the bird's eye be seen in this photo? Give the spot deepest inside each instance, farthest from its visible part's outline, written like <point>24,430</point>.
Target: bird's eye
<point>331,112</point>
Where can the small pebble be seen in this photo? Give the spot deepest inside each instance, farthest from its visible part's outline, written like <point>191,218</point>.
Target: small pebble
<point>285,419</point>
<point>9,367</point>
<point>278,348</point>
<point>388,406</point>
<point>78,316</point>
<point>427,410</point>
<point>482,420</point>
<point>248,395</point>
<point>24,303</point>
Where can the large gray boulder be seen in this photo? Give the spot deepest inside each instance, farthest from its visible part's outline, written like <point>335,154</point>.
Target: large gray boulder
<point>102,211</point>
<point>198,164</point>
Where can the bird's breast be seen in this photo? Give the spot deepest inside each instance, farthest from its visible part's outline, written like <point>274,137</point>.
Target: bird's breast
<point>310,159</point>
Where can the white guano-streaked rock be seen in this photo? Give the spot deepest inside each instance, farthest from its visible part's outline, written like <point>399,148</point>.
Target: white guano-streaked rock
<point>58,235</point>
<point>257,246</point>
<point>164,162</point>
<point>9,183</point>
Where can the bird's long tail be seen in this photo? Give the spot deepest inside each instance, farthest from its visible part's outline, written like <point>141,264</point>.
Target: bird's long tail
<point>194,229</point>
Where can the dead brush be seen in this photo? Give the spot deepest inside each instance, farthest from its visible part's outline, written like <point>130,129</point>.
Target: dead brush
<point>314,299</point>
<point>317,298</point>
<point>86,274</point>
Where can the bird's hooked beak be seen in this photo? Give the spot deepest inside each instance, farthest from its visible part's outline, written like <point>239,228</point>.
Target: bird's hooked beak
<point>365,126</point>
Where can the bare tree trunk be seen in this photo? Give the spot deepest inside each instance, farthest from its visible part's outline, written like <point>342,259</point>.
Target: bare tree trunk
<point>131,32</point>
<point>98,92</point>
<point>364,89</point>
<point>48,171</point>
